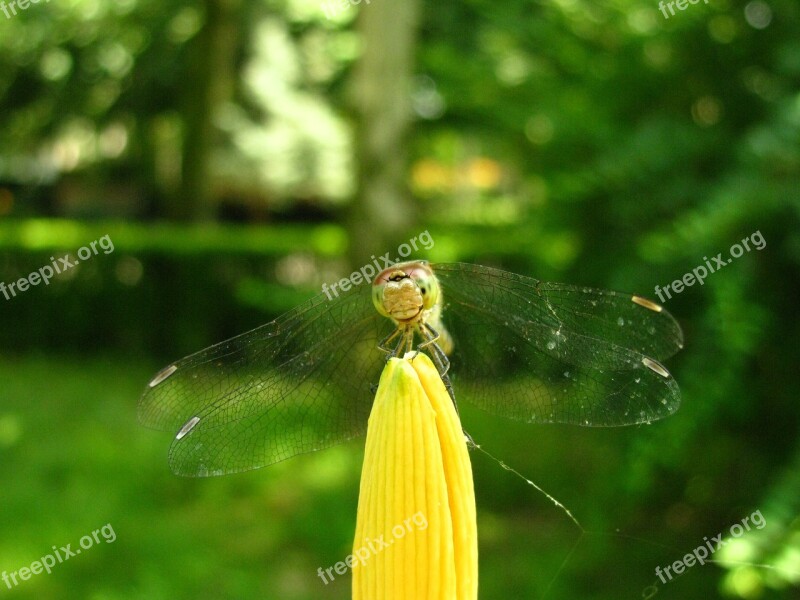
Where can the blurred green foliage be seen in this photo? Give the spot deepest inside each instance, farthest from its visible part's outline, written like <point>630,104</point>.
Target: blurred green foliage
<point>587,142</point>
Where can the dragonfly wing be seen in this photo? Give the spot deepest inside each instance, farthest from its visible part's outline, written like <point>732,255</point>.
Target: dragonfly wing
<point>294,385</point>
<point>543,352</point>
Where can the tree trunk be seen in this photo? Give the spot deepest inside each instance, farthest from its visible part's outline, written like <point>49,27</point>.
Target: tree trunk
<point>209,83</point>
<point>381,96</point>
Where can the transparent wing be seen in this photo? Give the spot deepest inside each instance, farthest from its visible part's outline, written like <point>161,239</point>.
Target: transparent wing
<point>294,385</point>
<point>554,353</point>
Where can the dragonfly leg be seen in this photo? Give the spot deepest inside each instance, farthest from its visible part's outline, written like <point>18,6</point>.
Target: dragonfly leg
<point>449,387</point>
<point>431,335</point>
<point>405,341</point>
<point>408,338</point>
<point>384,343</point>
<point>439,359</point>
<point>393,351</point>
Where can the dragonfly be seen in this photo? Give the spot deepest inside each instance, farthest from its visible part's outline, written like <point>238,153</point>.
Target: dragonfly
<point>519,348</point>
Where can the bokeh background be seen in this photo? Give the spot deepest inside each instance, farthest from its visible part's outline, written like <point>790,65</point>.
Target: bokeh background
<point>239,153</point>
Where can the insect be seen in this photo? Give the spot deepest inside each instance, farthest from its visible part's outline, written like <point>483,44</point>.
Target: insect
<point>521,348</point>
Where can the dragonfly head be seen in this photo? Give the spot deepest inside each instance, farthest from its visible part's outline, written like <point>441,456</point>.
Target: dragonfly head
<point>403,291</point>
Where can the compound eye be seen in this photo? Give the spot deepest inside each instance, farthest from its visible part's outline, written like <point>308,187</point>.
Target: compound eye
<point>377,298</point>
<point>429,288</point>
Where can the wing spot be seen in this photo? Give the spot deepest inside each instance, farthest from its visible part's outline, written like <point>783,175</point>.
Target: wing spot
<point>162,375</point>
<point>655,367</point>
<point>190,424</point>
<point>647,303</point>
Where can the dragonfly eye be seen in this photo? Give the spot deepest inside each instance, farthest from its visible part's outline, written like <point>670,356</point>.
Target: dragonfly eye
<point>428,287</point>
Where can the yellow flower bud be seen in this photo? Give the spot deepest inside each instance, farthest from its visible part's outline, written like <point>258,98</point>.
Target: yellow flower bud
<point>416,533</point>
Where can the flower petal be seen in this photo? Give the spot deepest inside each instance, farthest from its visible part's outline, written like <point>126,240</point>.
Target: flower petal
<point>416,515</point>
<point>458,473</point>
